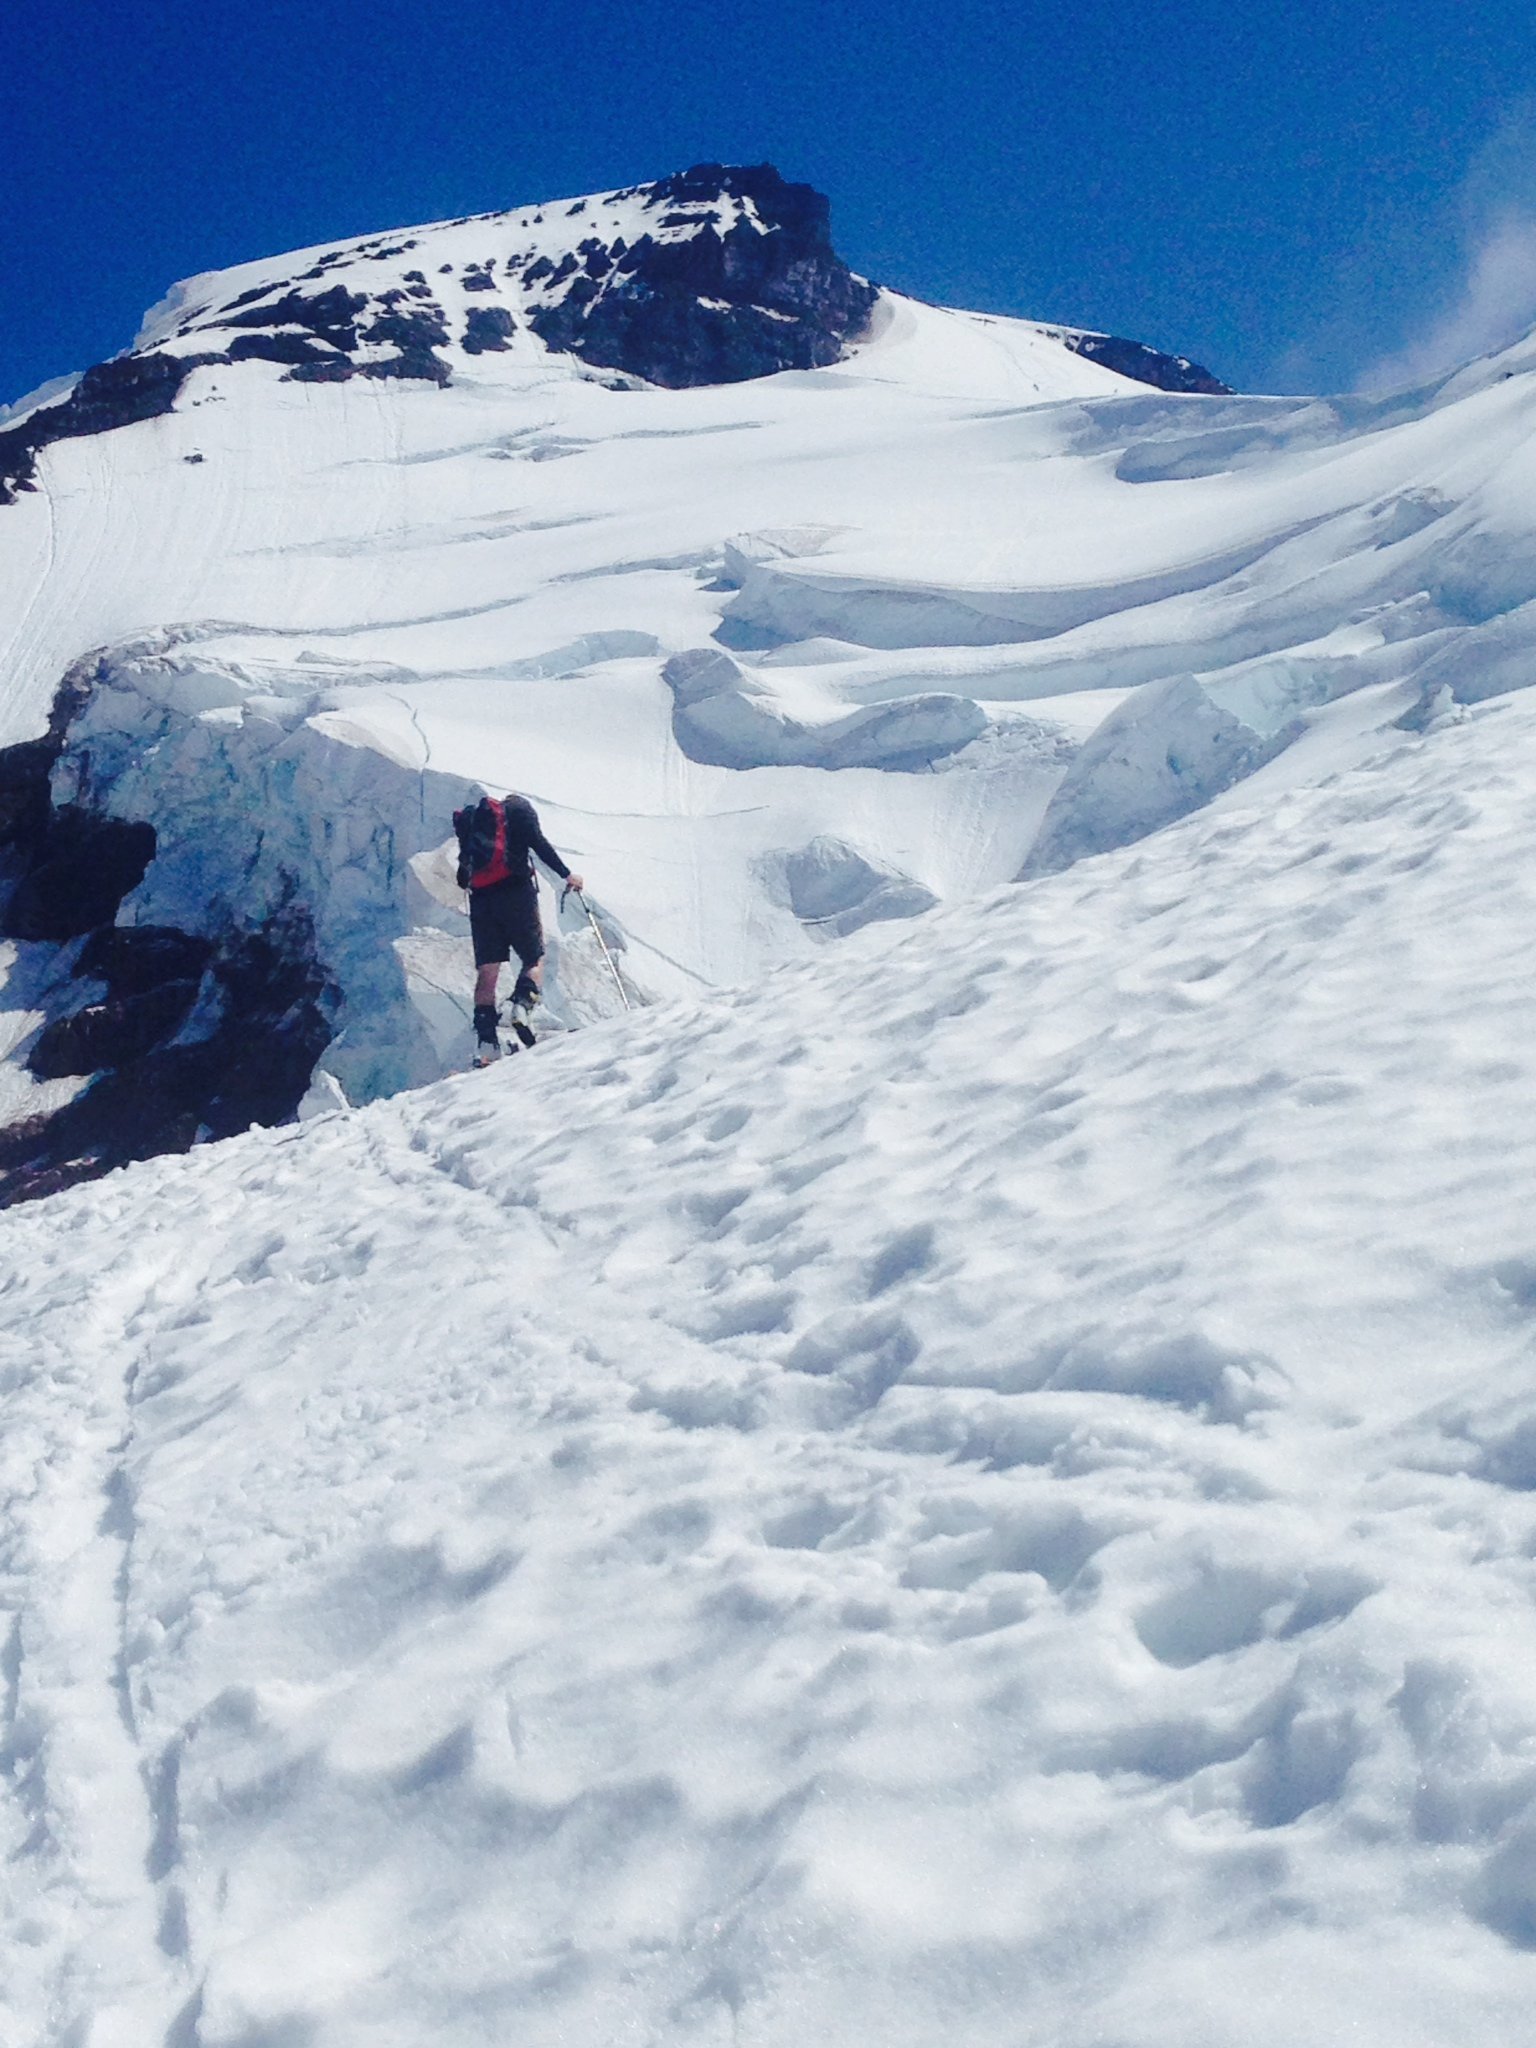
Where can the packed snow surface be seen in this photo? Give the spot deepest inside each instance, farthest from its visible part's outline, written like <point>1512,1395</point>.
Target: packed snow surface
<point>965,1480</point>
<point>979,1490</point>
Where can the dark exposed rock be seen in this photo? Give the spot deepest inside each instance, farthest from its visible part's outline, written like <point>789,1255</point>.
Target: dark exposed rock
<point>24,799</point>
<point>702,310</point>
<point>332,315</point>
<point>117,1033</point>
<point>329,370</point>
<point>280,348</point>
<point>409,363</point>
<point>134,958</point>
<point>115,394</point>
<point>415,332</point>
<point>194,1036</point>
<point>119,393</point>
<point>334,323</point>
<point>1147,365</point>
<point>409,329</point>
<point>266,1000</point>
<point>84,867</point>
<point>49,853</point>
<point>486,328</point>
<point>25,769</point>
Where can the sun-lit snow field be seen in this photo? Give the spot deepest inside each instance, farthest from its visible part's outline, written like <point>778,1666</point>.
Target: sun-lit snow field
<point>936,567</point>
<point>977,1491</point>
<point>960,1480</point>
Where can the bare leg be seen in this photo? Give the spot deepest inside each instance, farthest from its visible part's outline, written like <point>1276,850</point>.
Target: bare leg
<point>485,983</point>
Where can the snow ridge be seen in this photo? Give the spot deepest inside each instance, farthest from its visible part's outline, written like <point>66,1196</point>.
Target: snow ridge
<point>710,276</point>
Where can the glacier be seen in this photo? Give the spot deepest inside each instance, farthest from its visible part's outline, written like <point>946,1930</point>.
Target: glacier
<point>979,1487</point>
<point>886,595</point>
<point>961,1472</point>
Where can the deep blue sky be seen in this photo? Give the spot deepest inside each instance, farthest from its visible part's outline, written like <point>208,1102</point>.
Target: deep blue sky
<point>1287,195</point>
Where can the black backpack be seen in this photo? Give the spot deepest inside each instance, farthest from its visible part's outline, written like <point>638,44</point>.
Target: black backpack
<point>487,848</point>
<point>478,826</point>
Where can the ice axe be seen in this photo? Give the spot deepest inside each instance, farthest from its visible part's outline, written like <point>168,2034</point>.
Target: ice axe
<point>602,943</point>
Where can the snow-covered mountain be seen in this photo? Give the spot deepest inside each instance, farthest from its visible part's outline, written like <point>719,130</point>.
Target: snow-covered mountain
<point>963,1474</point>
<point>353,529</point>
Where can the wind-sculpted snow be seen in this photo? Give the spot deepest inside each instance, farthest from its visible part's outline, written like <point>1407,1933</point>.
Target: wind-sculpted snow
<point>721,718</point>
<point>979,1490</point>
<point>832,887</point>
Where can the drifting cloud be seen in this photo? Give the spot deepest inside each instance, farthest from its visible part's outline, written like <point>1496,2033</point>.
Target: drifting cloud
<point>1493,299</point>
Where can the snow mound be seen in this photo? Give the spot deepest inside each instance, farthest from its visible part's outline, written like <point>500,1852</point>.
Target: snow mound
<point>830,884</point>
<point>1164,752</point>
<point>723,718</point>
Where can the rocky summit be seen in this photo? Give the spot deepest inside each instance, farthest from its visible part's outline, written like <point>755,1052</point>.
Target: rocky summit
<point>713,275</point>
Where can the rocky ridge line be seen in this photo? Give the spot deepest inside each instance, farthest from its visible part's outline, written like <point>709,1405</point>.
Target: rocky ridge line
<point>721,273</point>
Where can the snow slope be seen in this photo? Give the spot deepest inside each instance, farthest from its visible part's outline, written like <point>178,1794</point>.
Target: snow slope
<point>322,613</point>
<point>976,1490</point>
<point>953,552</point>
<point>953,1480</point>
<point>959,605</point>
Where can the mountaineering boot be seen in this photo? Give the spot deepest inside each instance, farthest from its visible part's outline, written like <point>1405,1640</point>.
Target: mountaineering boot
<point>524,996</point>
<point>487,1044</point>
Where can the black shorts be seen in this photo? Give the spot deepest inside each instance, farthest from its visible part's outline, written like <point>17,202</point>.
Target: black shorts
<point>504,919</point>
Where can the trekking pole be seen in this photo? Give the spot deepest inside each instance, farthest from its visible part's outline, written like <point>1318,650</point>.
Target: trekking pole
<point>602,943</point>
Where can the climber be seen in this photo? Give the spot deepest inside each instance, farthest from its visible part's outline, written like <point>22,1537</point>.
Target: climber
<point>498,839</point>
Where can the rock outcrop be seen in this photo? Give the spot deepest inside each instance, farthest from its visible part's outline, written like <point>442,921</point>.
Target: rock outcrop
<point>180,1036</point>
<point>694,301</point>
<point>1146,365</point>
